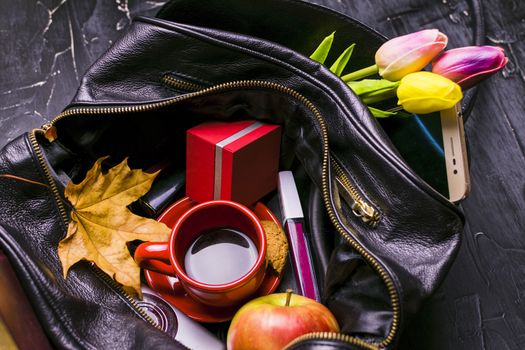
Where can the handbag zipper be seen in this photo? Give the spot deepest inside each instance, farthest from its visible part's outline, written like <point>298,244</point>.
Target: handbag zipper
<point>360,208</point>
<point>111,282</point>
<point>65,217</point>
<point>179,84</point>
<point>92,110</point>
<point>333,336</point>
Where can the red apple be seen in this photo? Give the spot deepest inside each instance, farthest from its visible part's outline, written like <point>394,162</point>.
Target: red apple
<point>272,321</point>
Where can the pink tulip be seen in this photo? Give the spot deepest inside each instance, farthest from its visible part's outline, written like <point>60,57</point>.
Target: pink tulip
<point>471,64</point>
<point>409,53</point>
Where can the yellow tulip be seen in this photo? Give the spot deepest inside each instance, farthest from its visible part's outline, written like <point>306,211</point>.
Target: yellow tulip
<point>425,92</point>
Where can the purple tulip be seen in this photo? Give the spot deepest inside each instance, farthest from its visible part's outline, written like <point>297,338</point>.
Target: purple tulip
<point>469,65</point>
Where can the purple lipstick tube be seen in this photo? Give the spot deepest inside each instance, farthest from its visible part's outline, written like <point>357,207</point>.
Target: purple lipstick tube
<point>300,250</point>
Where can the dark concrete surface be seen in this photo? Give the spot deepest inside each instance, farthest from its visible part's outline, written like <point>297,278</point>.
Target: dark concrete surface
<point>48,44</point>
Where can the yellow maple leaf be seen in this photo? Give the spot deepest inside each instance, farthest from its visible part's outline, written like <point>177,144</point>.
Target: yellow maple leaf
<point>101,224</point>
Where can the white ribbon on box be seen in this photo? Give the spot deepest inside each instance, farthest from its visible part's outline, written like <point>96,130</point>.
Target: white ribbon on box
<point>218,155</point>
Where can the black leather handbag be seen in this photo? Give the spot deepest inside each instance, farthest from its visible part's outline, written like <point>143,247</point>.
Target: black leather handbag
<point>383,238</point>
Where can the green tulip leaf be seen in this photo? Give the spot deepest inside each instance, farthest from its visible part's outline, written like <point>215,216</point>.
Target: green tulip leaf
<point>341,62</point>
<point>367,86</point>
<point>374,90</point>
<point>378,96</point>
<point>379,113</point>
<point>323,49</point>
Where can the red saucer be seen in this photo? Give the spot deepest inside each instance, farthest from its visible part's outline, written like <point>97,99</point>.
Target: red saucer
<point>167,287</point>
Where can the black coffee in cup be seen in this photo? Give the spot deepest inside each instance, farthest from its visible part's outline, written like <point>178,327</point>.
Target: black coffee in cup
<point>220,256</point>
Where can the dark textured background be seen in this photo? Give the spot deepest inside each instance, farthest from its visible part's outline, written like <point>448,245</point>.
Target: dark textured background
<point>48,44</point>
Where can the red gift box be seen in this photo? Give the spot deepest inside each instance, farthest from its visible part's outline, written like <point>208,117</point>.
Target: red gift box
<point>235,161</point>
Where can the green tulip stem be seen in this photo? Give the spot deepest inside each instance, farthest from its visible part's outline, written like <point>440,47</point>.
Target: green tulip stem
<point>395,109</point>
<point>288,297</point>
<point>360,74</point>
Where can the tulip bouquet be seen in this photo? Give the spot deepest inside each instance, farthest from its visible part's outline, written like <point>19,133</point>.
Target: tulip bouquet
<point>399,63</point>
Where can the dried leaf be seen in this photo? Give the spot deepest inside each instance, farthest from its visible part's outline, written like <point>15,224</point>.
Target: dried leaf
<point>101,225</point>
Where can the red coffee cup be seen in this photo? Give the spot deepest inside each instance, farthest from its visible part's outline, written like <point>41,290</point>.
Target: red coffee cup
<point>217,250</point>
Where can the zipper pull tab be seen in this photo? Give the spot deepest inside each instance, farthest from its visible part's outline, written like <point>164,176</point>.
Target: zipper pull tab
<point>50,132</point>
<point>367,213</point>
<point>359,207</point>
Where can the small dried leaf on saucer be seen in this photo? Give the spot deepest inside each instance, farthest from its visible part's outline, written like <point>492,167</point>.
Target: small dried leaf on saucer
<point>277,245</point>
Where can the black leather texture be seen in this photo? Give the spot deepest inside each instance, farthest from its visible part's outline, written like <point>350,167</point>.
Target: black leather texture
<point>410,249</point>
<point>80,312</point>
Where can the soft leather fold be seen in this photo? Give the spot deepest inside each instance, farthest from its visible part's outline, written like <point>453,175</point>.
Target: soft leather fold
<point>80,312</point>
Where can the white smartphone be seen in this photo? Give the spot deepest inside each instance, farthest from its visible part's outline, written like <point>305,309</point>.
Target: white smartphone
<point>454,146</point>
<point>434,146</point>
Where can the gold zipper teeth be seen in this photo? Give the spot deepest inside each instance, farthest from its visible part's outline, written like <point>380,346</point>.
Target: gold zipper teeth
<point>360,207</point>
<point>65,218</point>
<point>325,181</point>
<point>334,336</point>
<point>326,197</point>
<point>105,277</point>
<point>180,84</point>
<point>384,275</point>
<point>52,185</point>
<point>340,173</point>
